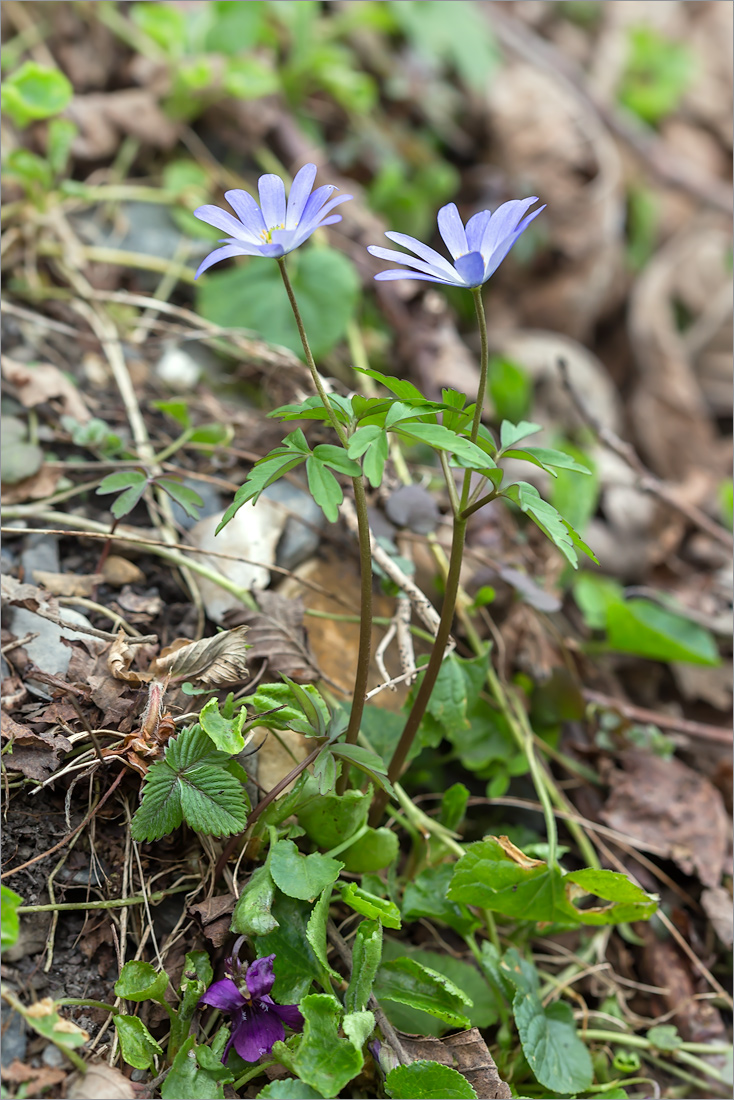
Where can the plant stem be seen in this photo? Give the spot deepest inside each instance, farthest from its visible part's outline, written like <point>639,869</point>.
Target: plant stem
<point>115,903</point>
<point>452,585</point>
<point>363,529</point>
<point>91,1004</point>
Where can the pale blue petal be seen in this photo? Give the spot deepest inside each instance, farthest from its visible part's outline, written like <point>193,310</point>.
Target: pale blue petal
<point>494,260</point>
<point>315,217</point>
<point>298,197</point>
<point>475,228</point>
<point>272,200</point>
<point>390,276</point>
<point>221,254</point>
<point>317,199</point>
<point>247,211</point>
<point>428,254</point>
<point>403,258</point>
<point>451,228</point>
<point>470,269</point>
<point>221,219</point>
<point>502,223</point>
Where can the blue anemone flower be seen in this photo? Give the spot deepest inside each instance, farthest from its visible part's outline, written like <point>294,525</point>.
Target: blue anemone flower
<point>257,1021</point>
<point>273,228</point>
<point>478,250</point>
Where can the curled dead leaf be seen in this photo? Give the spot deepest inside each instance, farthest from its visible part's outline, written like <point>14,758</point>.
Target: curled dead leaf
<point>38,384</point>
<point>216,661</point>
<point>120,658</point>
<point>514,853</point>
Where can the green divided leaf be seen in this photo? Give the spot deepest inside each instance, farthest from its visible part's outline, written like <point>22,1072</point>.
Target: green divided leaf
<point>324,488</point>
<point>273,466</point>
<point>367,761</point>
<point>510,388</point>
<point>408,982</point>
<point>9,902</point>
<point>191,784</point>
<point>442,439</point>
<point>251,295</point>
<point>424,1080</point>
<point>138,1046</point>
<point>510,434</point>
<point>546,458</point>
<point>321,1056</point>
<point>648,630</point>
<point>139,981</point>
<point>553,525</point>
<point>628,902</point>
<point>301,876</point>
<point>554,1052</point>
<point>132,483</point>
<point>188,498</point>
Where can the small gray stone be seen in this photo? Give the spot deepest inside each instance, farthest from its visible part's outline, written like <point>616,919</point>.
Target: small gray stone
<point>210,496</point>
<point>15,1039</point>
<point>413,507</point>
<point>47,651</point>
<point>298,541</point>
<point>40,552</point>
<point>52,1057</point>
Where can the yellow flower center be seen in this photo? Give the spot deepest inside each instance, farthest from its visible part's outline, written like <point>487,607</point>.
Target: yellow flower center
<point>267,234</point>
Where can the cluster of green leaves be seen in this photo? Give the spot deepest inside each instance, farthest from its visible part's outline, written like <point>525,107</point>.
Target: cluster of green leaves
<point>443,426</point>
<point>657,74</point>
<point>34,92</point>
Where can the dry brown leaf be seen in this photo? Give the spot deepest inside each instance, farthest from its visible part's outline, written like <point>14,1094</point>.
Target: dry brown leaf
<point>35,755</point>
<point>473,1059</point>
<point>68,584</point>
<point>666,803</point>
<point>278,637</point>
<point>215,915</point>
<point>514,853</point>
<point>17,1073</point>
<point>717,904</point>
<point>42,383</point>
<point>102,117</point>
<point>119,659</point>
<point>25,595</point>
<point>101,1082</point>
<point>218,661</point>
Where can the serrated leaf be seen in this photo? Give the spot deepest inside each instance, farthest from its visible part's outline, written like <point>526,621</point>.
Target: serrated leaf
<point>253,912</point>
<point>191,784</point>
<point>139,981</point>
<point>366,958</point>
<point>408,982</point>
<point>321,1056</point>
<point>301,876</point>
<point>264,473</point>
<point>125,479</point>
<point>553,1050</point>
<point>324,488</point>
<point>484,1011</point>
<point>316,932</point>
<point>371,906</point>
<point>402,389</point>
<point>363,438</point>
<point>138,1046</point>
<point>488,877</point>
<point>511,433</point>
<point>426,1080</point>
<point>373,462</point>
<point>286,713</point>
<point>628,902</point>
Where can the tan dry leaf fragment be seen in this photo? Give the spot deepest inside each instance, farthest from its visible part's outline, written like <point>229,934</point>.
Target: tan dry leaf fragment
<point>42,383</point>
<point>100,1082</point>
<point>517,856</point>
<point>68,584</point>
<point>277,636</point>
<point>120,658</point>
<point>216,661</point>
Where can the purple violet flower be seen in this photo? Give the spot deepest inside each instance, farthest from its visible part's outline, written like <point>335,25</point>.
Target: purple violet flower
<point>272,228</point>
<point>478,250</point>
<point>257,1021</point>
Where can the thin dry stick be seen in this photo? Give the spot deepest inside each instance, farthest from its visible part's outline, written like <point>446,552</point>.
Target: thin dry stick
<point>648,482</point>
<point>665,721</point>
